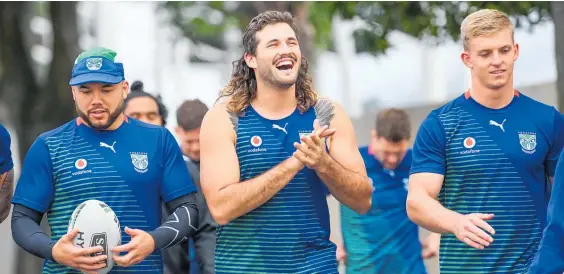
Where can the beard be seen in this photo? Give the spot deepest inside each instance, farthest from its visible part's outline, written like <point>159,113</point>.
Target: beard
<point>102,126</point>
<point>268,73</point>
<point>270,78</point>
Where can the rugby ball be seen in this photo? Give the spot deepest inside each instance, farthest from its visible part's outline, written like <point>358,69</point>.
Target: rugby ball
<point>98,225</point>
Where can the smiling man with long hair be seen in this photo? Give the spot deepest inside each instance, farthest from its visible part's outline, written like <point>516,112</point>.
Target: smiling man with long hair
<point>271,150</point>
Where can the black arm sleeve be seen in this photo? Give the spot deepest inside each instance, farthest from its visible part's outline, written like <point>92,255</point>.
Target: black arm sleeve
<point>182,223</point>
<point>28,234</point>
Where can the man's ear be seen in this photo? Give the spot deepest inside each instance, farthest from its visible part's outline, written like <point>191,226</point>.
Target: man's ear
<point>125,88</point>
<point>465,57</point>
<point>250,60</point>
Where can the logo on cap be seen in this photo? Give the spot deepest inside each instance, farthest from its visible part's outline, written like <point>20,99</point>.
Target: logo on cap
<point>94,63</point>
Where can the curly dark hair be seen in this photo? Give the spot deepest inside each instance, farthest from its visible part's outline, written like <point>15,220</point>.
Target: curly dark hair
<point>242,88</point>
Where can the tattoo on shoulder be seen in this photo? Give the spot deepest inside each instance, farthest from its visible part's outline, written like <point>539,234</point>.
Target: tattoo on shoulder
<point>234,120</point>
<point>324,111</point>
<point>7,180</point>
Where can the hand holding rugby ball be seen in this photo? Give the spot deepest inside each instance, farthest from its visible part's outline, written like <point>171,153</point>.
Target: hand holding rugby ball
<point>97,225</point>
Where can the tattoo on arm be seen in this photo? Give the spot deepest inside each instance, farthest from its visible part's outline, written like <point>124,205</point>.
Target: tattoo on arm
<point>324,111</point>
<point>6,192</point>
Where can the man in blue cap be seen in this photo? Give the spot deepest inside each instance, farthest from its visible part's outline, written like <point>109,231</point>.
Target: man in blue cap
<point>103,155</point>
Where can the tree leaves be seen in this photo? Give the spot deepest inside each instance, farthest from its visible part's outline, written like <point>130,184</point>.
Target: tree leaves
<point>423,20</point>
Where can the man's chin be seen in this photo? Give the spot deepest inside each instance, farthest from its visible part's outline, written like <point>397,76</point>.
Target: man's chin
<point>101,126</point>
<point>497,84</point>
<point>286,84</point>
<point>97,124</point>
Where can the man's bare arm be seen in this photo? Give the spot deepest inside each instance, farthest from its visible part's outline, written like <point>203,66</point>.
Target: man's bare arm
<point>423,208</point>
<point>6,193</point>
<point>344,172</point>
<point>227,197</point>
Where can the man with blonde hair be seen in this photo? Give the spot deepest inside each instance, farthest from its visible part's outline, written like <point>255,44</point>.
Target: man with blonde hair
<point>483,163</point>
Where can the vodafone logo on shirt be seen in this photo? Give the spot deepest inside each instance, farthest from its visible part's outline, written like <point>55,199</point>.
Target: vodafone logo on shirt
<point>81,164</point>
<point>256,142</point>
<point>469,143</point>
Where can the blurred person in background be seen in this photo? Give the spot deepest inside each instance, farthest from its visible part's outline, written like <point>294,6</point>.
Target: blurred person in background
<point>6,174</point>
<point>103,155</point>
<point>196,254</point>
<point>267,165</point>
<point>144,106</point>
<point>483,163</point>
<point>384,240</point>
<point>189,117</point>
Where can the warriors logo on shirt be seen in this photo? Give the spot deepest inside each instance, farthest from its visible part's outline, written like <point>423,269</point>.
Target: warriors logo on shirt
<point>304,133</point>
<point>405,182</point>
<point>140,161</point>
<point>528,141</point>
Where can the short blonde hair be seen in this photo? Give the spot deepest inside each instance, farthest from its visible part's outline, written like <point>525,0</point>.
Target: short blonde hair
<point>484,22</point>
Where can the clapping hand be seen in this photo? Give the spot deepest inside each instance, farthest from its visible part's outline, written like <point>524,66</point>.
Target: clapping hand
<point>311,151</point>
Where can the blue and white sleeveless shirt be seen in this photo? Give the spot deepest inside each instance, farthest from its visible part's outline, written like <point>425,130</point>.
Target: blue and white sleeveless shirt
<point>290,232</point>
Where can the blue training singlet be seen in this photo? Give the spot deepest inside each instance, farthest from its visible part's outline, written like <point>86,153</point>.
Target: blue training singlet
<point>290,232</point>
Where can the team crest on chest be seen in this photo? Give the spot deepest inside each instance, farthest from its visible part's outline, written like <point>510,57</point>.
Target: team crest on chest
<point>304,133</point>
<point>528,141</point>
<point>140,161</point>
<point>405,182</point>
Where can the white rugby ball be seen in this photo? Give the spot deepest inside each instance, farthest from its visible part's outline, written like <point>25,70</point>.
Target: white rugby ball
<point>98,225</point>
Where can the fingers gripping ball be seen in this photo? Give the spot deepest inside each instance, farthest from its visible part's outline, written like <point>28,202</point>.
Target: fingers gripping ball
<point>98,225</point>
